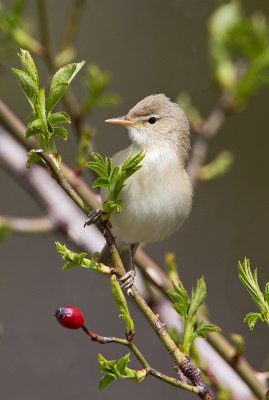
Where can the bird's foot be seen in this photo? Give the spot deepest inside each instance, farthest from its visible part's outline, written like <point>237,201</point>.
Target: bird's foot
<point>127,280</point>
<point>93,217</point>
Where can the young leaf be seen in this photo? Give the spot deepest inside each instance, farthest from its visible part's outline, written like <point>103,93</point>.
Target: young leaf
<point>179,297</point>
<point>60,82</point>
<point>60,131</point>
<point>122,363</point>
<point>114,370</point>
<point>106,380</point>
<point>98,168</point>
<point>250,281</point>
<point>203,329</point>
<point>114,177</point>
<point>59,118</point>
<point>100,182</point>
<point>122,306</point>
<point>79,260</point>
<point>33,157</point>
<point>251,319</point>
<point>29,66</point>
<point>197,298</point>
<point>28,86</point>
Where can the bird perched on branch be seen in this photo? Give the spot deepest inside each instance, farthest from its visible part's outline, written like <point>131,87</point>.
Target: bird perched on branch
<point>156,199</point>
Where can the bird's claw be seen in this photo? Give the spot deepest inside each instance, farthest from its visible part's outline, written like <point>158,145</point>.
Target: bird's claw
<point>93,217</point>
<point>127,280</point>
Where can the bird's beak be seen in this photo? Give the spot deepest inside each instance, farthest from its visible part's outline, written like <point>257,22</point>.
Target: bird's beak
<point>119,121</point>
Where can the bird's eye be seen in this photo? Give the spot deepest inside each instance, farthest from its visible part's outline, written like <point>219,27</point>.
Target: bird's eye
<point>152,120</point>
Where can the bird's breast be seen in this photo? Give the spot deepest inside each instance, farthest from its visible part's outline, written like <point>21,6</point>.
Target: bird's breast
<point>156,202</point>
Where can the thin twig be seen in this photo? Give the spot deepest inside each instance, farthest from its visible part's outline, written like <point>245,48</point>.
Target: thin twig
<point>63,182</point>
<point>209,128</point>
<point>150,371</point>
<point>69,100</point>
<point>73,23</point>
<point>45,33</point>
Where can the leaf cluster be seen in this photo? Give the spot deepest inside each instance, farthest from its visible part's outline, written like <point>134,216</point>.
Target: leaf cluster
<point>114,370</point>
<point>113,177</point>
<point>187,309</point>
<point>261,299</point>
<point>80,260</point>
<point>96,83</point>
<point>44,123</point>
<point>239,49</point>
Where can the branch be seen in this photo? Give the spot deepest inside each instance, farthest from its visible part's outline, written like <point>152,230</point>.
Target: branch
<point>209,128</point>
<point>62,181</point>
<point>69,100</point>
<point>45,33</point>
<point>191,373</point>
<point>73,23</point>
<point>55,203</point>
<point>34,226</point>
<point>150,371</point>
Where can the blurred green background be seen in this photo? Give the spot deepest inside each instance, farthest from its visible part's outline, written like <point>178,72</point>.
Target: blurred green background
<point>149,47</point>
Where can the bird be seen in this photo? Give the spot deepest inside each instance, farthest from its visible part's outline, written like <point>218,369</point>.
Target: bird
<point>157,199</point>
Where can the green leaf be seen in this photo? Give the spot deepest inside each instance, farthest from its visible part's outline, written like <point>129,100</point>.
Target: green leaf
<point>122,363</point>
<point>36,124</point>
<point>203,329</point>
<point>41,105</point>
<point>29,66</point>
<point>106,380</point>
<point>101,182</point>
<point>250,281</point>
<point>266,292</point>
<point>59,118</point>
<point>114,370</point>
<point>110,205</point>
<point>114,175</point>
<point>251,319</point>
<point>60,82</point>
<point>197,298</point>
<point>28,86</point>
<point>122,306</point>
<point>79,260</point>
<point>33,157</point>
<point>99,168</point>
<point>135,375</point>
<point>36,127</point>
<point>60,131</point>
<point>179,297</point>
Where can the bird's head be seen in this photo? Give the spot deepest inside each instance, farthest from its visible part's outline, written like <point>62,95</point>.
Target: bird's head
<point>157,121</point>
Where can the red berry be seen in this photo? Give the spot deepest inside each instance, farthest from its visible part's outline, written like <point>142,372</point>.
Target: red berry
<point>70,317</point>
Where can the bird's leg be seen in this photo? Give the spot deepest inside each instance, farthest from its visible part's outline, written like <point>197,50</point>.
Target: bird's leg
<point>99,218</point>
<point>127,280</point>
<point>93,217</point>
